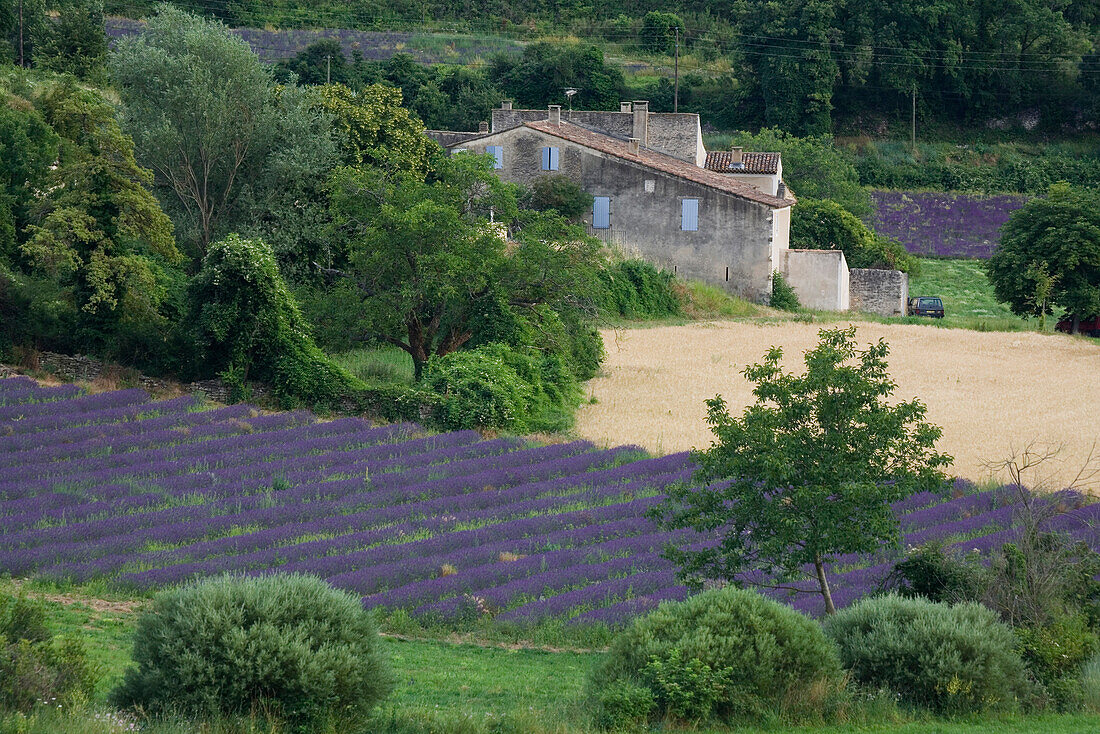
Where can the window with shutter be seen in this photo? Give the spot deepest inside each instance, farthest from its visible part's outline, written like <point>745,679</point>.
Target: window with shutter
<point>689,215</point>
<point>498,155</point>
<point>601,212</point>
<point>550,159</point>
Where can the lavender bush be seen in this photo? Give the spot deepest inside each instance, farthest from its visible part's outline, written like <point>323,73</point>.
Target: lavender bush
<point>943,224</point>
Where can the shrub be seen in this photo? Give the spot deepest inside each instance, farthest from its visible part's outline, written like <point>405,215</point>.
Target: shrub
<point>783,295</point>
<point>825,225</point>
<point>623,705</point>
<point>938,574</point>
<point>943,657</point>
<point>34,667</point>
<point>1055,653</point>
<point>726,653</point>
<point>636,289</point>
<point>495,386</point>
<point>560,193</point>
<point>287,644</point>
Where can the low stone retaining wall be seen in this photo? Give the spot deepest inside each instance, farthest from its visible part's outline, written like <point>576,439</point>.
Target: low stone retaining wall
<point>882,292</point>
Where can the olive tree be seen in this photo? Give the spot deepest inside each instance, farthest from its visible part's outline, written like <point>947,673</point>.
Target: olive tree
<point>807,473</point>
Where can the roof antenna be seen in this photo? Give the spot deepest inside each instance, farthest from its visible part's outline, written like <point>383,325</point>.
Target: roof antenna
<point>569,92</point>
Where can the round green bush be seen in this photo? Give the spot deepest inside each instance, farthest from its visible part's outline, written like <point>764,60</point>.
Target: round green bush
<point>728,653</point>
<point>948,658</point>
<point>290,645</point>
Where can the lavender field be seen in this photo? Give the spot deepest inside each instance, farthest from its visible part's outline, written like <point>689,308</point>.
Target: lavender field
<point>153,493</point>
<point>941,224</point>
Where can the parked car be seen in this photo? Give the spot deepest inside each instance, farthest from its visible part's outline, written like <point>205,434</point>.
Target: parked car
<point>926,306</point>
<point>1090,326</point>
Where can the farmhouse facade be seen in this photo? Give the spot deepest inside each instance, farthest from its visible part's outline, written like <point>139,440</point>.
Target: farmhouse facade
<point>657,193</point>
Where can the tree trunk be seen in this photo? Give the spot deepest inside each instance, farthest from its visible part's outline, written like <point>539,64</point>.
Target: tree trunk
<point>819,566</point>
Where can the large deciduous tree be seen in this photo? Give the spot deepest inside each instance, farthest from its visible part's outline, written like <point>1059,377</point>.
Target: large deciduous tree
<point>807,473</point>
<point>198,103</point>
<point>1051,247</point>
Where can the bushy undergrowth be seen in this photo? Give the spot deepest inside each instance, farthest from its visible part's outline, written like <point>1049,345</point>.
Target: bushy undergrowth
<point>495,386</point>
<point>725,653</point>
<point>35,668</point>
<point>950,659</point>
<point>783,296</point>
<point>289,645</point>
<point>636,289</point>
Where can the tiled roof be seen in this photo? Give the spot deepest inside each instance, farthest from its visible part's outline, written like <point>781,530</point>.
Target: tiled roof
<point>657,161</point>
<point>759,163</point>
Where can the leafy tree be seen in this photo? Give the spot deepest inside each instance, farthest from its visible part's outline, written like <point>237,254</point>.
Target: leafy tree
<point>100,232</point>
<point>427,261</point>
<point>18,41</point>
<point>245,325</point>
<point>77,42</point>
<point>321,62</point>
<point>541,75</point>
<point>813,167</point>
<point>808,472</point>
<point>28,147</point>
<point>560,193</point>
<point>659,31</point>
<point>198,104</point>
<point>825,225</point>
<point>1053,245</point>
<point>375,129</point>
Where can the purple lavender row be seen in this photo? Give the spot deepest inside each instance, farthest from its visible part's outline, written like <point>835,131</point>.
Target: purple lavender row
<point>620,613</point>
<point>121,414</point>
<point>595,595</point>
<point>489,575</point>
<point>496,508</point>
<point>18,382</point>
<point>369,571</point>
<point>77,434</point>
<point>461,508</point>
<point>75,408</point>
<point>32,394</point>
<point>952,510</point>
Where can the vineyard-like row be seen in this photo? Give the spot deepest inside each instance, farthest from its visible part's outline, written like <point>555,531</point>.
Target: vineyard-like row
<point>155,493</point>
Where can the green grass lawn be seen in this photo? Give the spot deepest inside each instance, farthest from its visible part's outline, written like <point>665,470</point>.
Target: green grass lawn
<point>442,686</point>
<point>967,295</point>
<point>378,364</point>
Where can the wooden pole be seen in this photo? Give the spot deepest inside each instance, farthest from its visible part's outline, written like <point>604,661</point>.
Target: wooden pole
<point>676,75</point>
<point>328,69</point>
<point>20,33</point>
<point>913,125</point>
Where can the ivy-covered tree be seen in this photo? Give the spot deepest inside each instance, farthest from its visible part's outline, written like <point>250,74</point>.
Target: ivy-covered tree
<point>245,325</point>
<point>1051,247</point>
<point>807,473</point>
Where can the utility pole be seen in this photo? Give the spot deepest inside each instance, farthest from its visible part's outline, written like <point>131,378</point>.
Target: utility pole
<point>676,75</point>
<point>328,68</point>
<point>913,123</point>
<point>21,33</point>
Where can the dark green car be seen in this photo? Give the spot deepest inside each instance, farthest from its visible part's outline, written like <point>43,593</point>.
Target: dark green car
<point>931,306</point>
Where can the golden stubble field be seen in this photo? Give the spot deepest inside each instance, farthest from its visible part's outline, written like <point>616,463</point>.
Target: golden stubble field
<point>991,392</point>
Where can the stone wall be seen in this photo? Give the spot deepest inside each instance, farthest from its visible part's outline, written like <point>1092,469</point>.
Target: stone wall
<point>882,292</point>
<point>819,277</point>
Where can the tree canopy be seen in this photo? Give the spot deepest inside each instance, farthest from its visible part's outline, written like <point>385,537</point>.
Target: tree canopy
<point>1051,248</point>
<point>825,225</point>
<point>809,470</point>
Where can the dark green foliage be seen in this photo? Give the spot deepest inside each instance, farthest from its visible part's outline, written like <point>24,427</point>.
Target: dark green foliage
<point>540,76</point>
<point>76,43</point>
<point>825,225</point>
<point>783,296</point>
<point>1055,652</point>
<point>659,32</point>
<point>34,667</point>
<point>636,289</point>
<point>287,644</point>
<point>727,653</point>
<point>623,705</point>
<point>1057,238</point>
<point>245,324</point>
<point>495,386</point>
<point>809,470</point>
<point>937,573</point>
<point>951,659</point>
<point>321,62</point>
<point>560,193</point>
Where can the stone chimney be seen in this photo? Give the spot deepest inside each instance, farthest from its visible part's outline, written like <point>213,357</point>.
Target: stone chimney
<point>736,157</point>
<point>483,127</point>
<point>506,104</point>
<point>634,146</point>
<point>624,107</point>
<point>641,122</point>
<point>555,114</point>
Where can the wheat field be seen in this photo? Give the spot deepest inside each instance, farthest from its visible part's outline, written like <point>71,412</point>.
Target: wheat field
<point>993,393</point>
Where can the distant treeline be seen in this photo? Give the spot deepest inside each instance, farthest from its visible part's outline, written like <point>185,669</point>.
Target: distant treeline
<point>794,64</point>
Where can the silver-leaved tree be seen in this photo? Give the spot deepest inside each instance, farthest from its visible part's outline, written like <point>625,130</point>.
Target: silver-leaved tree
<point>807,473</point>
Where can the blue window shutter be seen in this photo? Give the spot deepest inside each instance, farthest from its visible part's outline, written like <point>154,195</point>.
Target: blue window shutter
<point>601,212</point>
<point>498,155</point>
<point>550,159</point>
<point>689,215</point>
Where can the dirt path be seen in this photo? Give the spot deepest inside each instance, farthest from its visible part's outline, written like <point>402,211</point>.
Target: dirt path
<point>991,392</point>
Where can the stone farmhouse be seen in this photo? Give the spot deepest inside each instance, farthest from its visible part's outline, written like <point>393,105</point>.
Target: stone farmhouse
<point>720,217</point>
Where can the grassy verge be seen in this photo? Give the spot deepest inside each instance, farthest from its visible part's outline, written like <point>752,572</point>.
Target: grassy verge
<point>968,298</point>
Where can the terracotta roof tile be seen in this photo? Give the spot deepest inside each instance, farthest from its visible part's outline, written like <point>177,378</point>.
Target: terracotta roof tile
<point>755,163</point>
<point>657,161</point>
